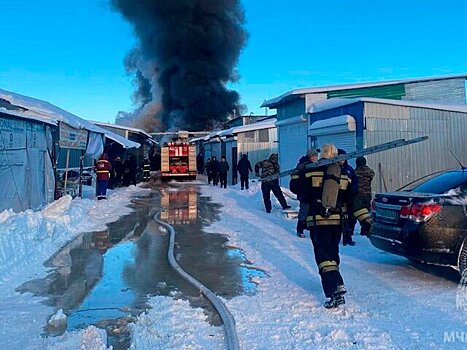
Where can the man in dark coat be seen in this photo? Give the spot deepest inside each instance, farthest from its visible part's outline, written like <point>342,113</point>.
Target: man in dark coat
<point>325,224</point>
<point>223,170</point>
<point>349,223</point>
<point>244,169</point>
<point>365,176</point>
<point>200,163</point>
<point>129,170</point>
<point>209,170</point>
<point>215,171</point>
<point>270,167</point>
<point>118,168</point>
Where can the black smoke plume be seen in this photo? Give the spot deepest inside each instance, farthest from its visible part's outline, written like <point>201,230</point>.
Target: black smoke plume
<point>188,51</point>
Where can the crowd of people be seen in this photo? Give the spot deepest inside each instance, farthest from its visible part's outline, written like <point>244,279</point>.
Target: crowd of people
<point>115,173</point>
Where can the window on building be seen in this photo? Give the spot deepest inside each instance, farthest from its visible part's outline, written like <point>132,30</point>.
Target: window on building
<point>250,135</point>
<point>264,135</point>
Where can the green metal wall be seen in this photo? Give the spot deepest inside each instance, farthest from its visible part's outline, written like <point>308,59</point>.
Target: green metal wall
<point>393,92</point>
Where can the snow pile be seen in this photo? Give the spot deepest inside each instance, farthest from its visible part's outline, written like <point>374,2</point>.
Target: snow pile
<point>58,319</point>
<point>174,324</point>
<point>457,197</point>
<point>91,338</point>
<point>28,238</point>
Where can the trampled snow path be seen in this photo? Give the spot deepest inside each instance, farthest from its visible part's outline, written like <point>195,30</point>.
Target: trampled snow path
<point>390,304</point>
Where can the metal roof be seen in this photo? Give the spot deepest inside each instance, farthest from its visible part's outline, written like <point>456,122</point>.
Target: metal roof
<point>33,109</point>
<point>339,102</point>
<point>273,103</point>
<point>46,112</point>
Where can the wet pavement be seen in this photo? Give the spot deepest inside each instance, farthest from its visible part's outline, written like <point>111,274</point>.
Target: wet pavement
<point>105,278</point>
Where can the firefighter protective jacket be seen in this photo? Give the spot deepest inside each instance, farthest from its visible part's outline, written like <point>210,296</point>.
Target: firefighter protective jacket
<point>310,185</point>
<point>103,168</point>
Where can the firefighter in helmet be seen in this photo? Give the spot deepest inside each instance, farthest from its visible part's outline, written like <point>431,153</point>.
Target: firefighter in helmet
<point>146,170</point>
<point>329,190</point>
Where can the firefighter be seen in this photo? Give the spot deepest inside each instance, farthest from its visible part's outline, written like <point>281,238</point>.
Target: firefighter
<point>146,170</point>
<point>270,167</point>
<point>103,168</point>
<point>330,193</point>
<point>311,157</point>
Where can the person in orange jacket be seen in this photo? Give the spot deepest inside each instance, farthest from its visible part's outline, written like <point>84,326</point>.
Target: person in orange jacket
<point>103,168</point>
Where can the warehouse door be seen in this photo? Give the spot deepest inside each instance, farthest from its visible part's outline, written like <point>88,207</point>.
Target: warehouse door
<point>340,131</point>
<point>292,144</point>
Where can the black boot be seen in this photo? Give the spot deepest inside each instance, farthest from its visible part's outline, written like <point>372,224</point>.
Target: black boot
<point>337,298</point>
<point>334,302</point>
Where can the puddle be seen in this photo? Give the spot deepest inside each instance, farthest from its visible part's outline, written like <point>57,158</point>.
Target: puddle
<point>104,278</point>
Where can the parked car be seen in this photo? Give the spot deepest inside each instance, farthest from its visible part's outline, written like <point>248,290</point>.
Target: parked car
<point>425,221</point>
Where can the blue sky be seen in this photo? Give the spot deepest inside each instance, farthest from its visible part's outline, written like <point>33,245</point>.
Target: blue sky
<point>72,55</point>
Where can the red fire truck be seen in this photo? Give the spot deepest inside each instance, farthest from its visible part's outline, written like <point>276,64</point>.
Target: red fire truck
<point>178,160</point>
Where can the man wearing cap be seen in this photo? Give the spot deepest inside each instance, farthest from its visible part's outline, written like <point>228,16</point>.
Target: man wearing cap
<point>311,157</point>
<point>325,223</point>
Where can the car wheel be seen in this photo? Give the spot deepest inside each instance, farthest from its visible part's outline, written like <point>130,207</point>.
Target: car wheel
<point>462,263</point>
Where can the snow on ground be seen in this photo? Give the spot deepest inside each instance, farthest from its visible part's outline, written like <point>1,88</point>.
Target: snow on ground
<point>391,303</point>
<point>28,239</point>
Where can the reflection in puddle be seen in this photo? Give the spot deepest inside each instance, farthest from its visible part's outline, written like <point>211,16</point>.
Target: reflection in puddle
<point>180,206</point>
<point>104,278</point>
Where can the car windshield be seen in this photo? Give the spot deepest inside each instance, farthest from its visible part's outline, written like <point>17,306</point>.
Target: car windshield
<point>438,183</point>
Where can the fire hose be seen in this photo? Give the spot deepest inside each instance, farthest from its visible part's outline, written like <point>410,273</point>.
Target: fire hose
<point>231,338</point>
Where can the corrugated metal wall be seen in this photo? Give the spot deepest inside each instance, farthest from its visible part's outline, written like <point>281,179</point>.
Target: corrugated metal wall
<point>293,143</point>
<point>256,150</point>
<point>394,92</point>
<point>444,91</point>
<point>294,108</point>
<point>229,144</point>
<point>446,131</point>
<point>211,149</point>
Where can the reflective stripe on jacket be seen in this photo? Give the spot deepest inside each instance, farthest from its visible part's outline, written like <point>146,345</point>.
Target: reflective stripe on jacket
<point>103,168</point>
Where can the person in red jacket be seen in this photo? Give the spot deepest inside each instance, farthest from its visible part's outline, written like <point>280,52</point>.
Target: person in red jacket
<point>103,168</point>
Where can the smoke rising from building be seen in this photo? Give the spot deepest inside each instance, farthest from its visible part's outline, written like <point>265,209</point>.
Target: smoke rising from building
<point>187,53</point>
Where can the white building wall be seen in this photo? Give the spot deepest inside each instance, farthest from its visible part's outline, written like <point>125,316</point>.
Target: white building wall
<point>256,150</point>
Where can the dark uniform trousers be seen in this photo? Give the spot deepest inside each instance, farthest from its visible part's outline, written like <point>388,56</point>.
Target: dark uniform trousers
<point>244,181</point>
<point>146,172</point>
<point>326,231</point>
<point>325,239</point>
<point>266,188</point>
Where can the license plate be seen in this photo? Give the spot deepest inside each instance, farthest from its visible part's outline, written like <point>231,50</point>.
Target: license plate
<point>386,213</point>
